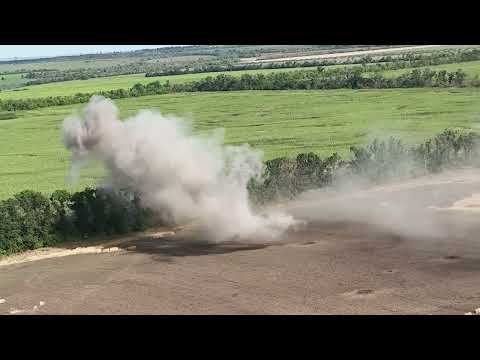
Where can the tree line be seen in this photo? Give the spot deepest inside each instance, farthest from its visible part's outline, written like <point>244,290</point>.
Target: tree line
<point>377,162</point>
<point>31,220</point>
<point>319,79</point>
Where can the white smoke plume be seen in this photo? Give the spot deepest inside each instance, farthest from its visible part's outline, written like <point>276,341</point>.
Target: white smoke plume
<point>188,177</point>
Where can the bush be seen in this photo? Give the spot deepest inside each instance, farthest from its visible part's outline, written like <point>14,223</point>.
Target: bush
<point>99,211</point>
<point>376,162</point>
<point>31,220</point>
<point>28,222</point>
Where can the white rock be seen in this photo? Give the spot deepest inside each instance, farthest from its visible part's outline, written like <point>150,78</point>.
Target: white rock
<point>112,249</point>
<point>2,301</point>
<point>16,311</point>
<point>35,307</point>
<point>42,303</point>
<point>469,313</point>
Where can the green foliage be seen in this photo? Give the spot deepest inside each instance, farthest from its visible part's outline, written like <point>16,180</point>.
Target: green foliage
<point>107,211</point>
<point>7,115</point>
<point>338,78</point>
<point>221,64</point>
<point>61,201</point>
<point>279,123</point>
<point>447,149</point>
<point>285,178</point>
<point>377,162</point>
<point>30,220</point>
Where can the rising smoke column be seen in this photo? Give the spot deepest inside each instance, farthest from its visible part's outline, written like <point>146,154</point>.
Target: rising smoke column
<point>189,177</point>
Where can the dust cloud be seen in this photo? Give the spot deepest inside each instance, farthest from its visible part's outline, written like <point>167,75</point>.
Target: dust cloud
<point>439,206</point>
<point>182,176</point>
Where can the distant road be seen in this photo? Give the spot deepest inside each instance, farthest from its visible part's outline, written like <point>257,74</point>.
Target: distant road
<point>342,54</point>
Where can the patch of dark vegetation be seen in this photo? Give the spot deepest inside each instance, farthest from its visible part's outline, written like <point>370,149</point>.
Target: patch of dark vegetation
<point>452,257</point>
<point>32,220</point>
<point>7,115</point>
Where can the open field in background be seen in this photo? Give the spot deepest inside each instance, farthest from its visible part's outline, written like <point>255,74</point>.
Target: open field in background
<point>373,52</point>
<point>471,68</point>
<point>97,63</point>
<point>281,123</point>
<point>10,81</point>
<point>66,88</point>
<point>178,55</point>
<point>63,64</point>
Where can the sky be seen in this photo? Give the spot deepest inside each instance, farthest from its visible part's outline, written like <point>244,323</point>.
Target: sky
<point>28,51</point>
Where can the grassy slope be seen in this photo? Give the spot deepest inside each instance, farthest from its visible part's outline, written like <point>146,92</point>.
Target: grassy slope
<point>278,122</point>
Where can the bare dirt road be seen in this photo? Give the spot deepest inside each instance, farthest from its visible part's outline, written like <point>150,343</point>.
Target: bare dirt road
<point>338,264</point>
<point>342,54</point>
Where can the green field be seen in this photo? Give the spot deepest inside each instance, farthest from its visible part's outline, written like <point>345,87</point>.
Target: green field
<point>66,88</point>
<point>97,63</point>
<point>280,123</point>
<point>471,68</point>
<point>63,64</point>
<point>10,81</point>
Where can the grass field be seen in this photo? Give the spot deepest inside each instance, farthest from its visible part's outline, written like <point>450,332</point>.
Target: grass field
<point>10,81</point>
<point>66,88</point>
<point>96,63</point>
<point>126,81</point>
<point>63,64</point>
<point>280,123</point>
<point>471,68</point>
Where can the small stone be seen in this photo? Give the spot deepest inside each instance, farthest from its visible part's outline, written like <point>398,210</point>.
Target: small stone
<point>16,311</point>
<point>131,247</point>
<point>112,249</point>
<point>477,311</point>
<point>35,307</point>
<point>364,291</point>
<point>2,301</point>
<point>42,303</point>
<point>469,313</point>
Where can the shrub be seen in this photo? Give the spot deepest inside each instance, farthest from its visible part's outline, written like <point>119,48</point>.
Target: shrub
<point>107,211</point>
<point>28,222</point>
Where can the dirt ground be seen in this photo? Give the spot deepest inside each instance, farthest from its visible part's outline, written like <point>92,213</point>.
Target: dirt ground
<point>340,54</point>
<point>354,256</point>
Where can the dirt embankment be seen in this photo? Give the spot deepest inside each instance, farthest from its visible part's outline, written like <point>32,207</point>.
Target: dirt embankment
<point>81,248</point>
